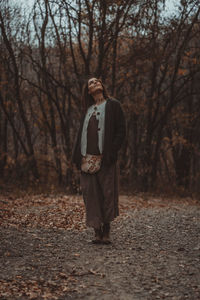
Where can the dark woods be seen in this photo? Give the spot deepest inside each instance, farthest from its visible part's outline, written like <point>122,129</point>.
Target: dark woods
<point>149,59</point>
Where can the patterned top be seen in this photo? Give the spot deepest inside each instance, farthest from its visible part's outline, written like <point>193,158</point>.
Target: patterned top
<point>99,112</point>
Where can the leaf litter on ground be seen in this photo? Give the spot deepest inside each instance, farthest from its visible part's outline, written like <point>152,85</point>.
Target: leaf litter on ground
<point>65,212</point>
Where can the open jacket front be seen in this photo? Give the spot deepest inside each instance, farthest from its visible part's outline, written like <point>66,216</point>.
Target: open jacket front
<point>115,131</point>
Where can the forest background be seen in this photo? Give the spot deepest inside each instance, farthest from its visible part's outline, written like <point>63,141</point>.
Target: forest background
<point>148,59</point>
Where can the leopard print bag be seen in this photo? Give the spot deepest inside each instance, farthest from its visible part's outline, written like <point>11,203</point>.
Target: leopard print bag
<point>91,163</point>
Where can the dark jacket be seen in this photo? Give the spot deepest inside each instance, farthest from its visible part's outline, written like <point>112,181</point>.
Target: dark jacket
<point>115,131</point>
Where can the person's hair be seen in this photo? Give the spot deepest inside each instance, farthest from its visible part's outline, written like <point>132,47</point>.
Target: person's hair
<point>87,99</point>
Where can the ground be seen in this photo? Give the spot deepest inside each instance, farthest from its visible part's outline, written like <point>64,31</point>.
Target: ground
<point>46,250</point>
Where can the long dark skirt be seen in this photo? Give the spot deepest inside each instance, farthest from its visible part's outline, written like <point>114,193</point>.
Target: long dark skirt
<point>100,195</point>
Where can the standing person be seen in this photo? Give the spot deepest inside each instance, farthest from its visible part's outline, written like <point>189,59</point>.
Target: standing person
<point>99,139</point>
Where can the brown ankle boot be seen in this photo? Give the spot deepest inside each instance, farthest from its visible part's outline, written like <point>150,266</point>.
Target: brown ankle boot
<point>106,233</point>
<point>98,236</point>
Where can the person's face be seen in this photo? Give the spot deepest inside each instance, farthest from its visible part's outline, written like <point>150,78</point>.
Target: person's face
<point>94,86</point>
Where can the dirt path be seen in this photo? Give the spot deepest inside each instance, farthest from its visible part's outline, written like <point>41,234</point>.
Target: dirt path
<point>155,254</point>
